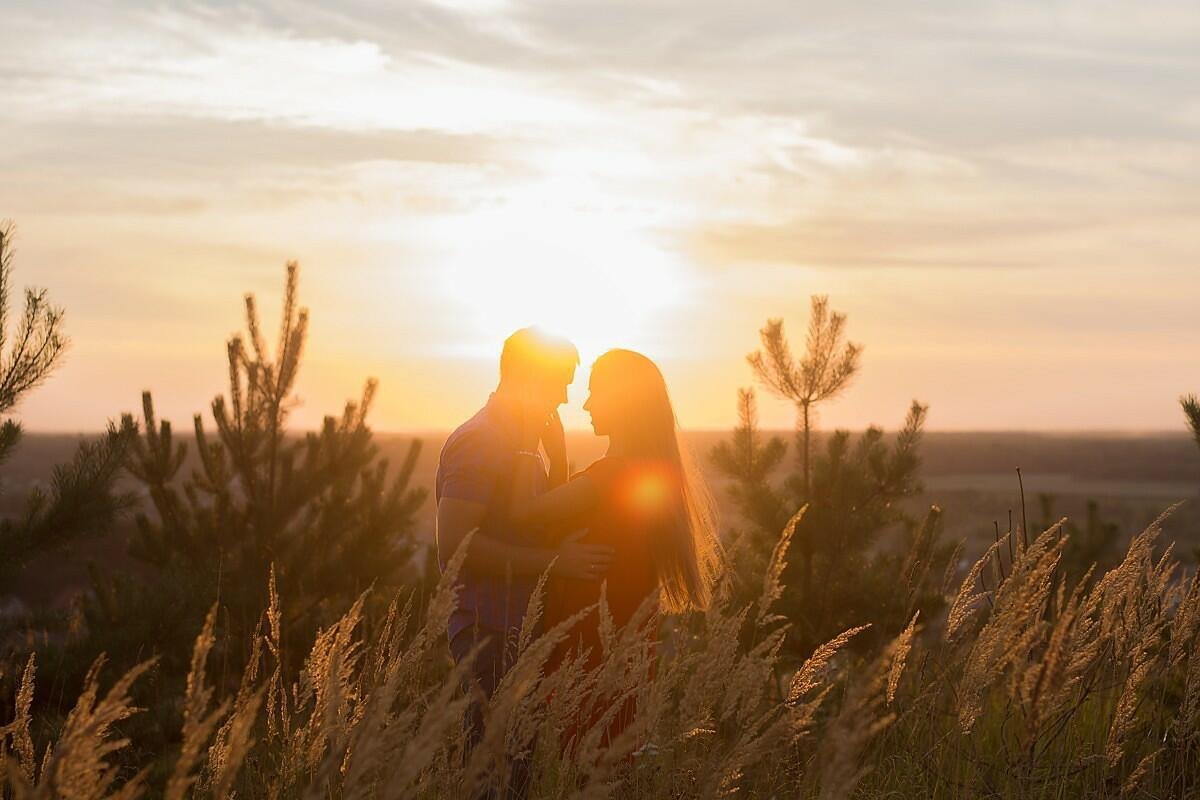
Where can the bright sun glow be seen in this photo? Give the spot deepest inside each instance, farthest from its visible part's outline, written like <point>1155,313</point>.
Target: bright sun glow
<point>597,281</point>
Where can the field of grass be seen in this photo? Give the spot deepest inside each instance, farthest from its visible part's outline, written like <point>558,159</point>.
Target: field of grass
<point>1026,688</point>
<point>1031,685</point>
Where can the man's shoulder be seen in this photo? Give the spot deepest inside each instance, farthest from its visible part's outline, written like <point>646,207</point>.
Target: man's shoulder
<point>476,434</point>
<point>475,456</point>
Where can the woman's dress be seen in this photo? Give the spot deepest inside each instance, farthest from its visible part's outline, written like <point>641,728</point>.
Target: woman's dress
<point>622,520</point>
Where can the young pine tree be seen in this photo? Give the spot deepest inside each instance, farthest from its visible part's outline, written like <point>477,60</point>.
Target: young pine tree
<point>320,511</point>
<point>828,365</point>
<point>856,555</point>
<point>82,497</point>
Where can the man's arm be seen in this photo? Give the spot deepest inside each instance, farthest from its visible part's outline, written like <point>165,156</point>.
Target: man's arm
<point>456,518</point>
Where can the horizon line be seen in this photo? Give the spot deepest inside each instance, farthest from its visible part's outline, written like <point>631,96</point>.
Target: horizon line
<point>1159,432</point>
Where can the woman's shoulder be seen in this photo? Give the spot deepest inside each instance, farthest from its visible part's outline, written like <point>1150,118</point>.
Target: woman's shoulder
<point>603,470</point>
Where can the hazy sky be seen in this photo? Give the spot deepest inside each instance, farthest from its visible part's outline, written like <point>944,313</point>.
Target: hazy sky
<point>1004,197</point>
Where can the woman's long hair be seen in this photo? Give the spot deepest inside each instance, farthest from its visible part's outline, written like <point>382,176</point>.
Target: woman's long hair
<point>684,543</point>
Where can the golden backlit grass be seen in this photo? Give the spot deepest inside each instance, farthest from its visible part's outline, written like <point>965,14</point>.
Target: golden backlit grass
<point>1026,688</point>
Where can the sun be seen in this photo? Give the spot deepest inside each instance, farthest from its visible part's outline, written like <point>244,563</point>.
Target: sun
<point>598,281</point>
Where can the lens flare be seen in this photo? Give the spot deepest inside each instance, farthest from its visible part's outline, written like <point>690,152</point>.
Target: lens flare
<point>648,491</point>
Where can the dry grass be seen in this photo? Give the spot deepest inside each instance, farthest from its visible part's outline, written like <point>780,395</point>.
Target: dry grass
<point>1025,690</point>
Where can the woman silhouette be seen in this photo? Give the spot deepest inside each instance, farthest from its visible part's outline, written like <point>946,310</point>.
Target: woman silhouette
<point>643,499</point>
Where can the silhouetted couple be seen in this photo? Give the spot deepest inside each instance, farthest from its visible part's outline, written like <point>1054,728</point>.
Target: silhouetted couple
<point>639,519</point>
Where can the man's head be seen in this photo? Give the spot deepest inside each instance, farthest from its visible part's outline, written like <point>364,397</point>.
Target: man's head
<point>536,368</point>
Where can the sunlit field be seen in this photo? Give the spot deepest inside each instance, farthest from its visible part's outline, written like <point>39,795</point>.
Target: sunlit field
<point>515,399</point>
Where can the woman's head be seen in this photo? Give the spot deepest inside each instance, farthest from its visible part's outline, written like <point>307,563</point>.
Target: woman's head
<point>628,402</point>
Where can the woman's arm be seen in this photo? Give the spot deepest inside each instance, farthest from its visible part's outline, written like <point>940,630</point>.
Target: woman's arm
<point>571,558</point>
<point>562,504</point>
<point>565,500</point>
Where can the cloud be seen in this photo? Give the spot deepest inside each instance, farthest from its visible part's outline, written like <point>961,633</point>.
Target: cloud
<point>899,156</point>
<point>150,145</point>
<point>201,66</point>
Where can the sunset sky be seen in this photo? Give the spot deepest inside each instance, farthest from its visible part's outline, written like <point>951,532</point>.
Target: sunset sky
<point>1003,197</point>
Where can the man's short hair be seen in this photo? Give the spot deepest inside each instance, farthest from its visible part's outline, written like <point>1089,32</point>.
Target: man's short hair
<point>531,351</point>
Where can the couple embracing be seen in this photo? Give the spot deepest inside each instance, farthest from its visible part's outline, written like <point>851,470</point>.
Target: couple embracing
<point>637,520</point>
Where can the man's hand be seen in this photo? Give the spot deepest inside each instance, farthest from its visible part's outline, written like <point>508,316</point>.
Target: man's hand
<point>554,440</point>
<point>582,562</point>
<point>530,430</point>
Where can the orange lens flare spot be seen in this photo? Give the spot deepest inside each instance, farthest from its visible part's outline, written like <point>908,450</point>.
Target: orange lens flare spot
<point>648,491</point>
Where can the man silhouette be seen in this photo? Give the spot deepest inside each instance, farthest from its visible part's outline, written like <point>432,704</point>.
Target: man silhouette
<point>472,490</point>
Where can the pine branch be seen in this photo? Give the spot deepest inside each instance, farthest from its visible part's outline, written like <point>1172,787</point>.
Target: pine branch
<point>10,436</point>
<point>6,236</point>
<point>82,498</point>
<point>40,343</point>
<point>1191,410</point>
